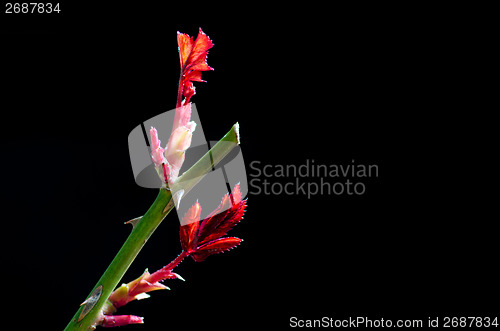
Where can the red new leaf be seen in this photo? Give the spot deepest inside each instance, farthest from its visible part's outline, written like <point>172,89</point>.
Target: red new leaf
<point>231,218</point>
<point>215,247</point>
<point>189,229</point>
<point>221,220</point>
<point>185,43</point>
<point>193,59</point>
<point>206,239</point>
<point>236,194</point>
<point>193,55</point>
<point>210,223</point>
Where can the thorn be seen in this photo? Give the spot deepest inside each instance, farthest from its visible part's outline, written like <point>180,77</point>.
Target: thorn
<point>134,221</point>
<point>169,205</point>
<point>90,302</point>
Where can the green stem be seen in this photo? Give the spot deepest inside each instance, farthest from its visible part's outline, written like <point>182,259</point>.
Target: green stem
<point>142,231</point>
<point>204,165</point>
<point>123,259</point>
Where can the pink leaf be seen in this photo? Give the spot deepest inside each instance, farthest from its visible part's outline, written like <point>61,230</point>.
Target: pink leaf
<point>110,321</point>
<point>156,149</point>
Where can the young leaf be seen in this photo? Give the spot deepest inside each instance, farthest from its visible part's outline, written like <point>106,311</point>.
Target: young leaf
<point>215,247</point>
<point>231,218</point>
<point>198,51</point>
<point>212,221</point>
<point>189,229</point>
<point>193,58</point>
<point>221,220</point>
<point>236,194</point>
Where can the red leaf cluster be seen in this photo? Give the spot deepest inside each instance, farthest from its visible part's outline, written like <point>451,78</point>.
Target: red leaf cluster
<point>198,240</point>
<point>205,238</point>
<point>193,58</point>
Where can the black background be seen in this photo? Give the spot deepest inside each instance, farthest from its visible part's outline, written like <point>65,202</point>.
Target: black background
<point>397,87</point>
